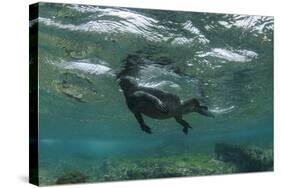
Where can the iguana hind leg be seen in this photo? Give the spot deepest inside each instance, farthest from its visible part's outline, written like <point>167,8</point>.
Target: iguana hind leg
<point>143,126</point>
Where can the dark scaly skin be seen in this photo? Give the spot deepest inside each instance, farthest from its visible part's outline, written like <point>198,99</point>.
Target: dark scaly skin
<point>157,104</point>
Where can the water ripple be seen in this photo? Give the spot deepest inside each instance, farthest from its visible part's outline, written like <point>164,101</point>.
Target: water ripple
<point>230,55</point>
<point>105,26</point>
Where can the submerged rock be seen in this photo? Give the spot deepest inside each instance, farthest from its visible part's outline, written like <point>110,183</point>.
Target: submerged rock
<point>72,177</point>
<point>246,159</point>
<point>75,86</point>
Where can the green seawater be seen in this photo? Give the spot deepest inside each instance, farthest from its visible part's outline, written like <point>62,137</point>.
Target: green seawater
<point>226,61</point>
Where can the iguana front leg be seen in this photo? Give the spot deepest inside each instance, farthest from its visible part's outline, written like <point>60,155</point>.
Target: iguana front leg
<point>185,125</point>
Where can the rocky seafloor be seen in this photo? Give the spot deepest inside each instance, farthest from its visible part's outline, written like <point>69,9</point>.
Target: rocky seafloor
<point>226,159</point>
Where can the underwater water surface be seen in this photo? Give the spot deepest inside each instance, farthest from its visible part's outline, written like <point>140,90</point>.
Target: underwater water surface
<point>88,134</point>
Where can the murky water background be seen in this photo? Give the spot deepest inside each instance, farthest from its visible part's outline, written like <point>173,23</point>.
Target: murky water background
<point>224,60</point>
